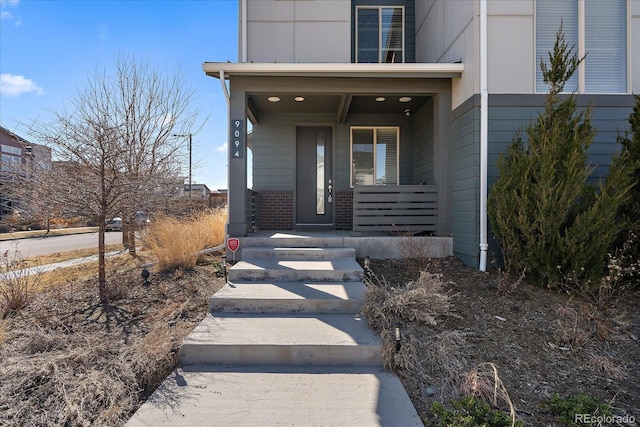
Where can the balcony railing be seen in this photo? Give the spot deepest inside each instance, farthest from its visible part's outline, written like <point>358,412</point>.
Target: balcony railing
<point>395,208</point>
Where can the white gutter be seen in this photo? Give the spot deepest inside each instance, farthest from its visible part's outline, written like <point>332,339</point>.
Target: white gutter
<point>405,70</point>
<point>484,143</point>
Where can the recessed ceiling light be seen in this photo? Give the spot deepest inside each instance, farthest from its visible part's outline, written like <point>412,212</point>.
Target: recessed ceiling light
<point>299,98</point>
<point>380,98</point>
<point>405,99</point>
<point>273,99</point>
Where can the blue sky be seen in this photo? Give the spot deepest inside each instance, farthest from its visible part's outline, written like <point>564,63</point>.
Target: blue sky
<point>48,48</point>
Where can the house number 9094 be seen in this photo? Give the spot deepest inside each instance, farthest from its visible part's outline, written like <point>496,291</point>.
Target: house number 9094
<point>237,139</point>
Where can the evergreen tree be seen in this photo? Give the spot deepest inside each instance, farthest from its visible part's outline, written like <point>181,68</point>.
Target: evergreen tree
<point>551,224</point>
<point>630,211</point>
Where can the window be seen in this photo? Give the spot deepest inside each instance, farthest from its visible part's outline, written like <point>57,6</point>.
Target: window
<point>11,150</point>
<point>379,34</point>
<point>10,162</point>
<point>374,155</point>
<point>597,28</point>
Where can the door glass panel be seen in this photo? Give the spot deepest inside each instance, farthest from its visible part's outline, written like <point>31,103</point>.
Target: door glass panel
<point>320,154</point>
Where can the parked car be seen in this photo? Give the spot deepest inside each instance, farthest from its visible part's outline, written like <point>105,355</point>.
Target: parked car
<point>142,218</point>
<point>114,224</point>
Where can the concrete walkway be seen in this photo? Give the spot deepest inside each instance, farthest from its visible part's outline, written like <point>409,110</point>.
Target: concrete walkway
<point>283,345</point>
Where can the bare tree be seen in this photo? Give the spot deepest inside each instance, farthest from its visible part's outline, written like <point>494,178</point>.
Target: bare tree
<point>115,148</point>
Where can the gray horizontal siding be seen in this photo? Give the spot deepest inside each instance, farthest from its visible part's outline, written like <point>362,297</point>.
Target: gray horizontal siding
<point>423,145</point>
<point>509,114</point>
<point>465,169</point>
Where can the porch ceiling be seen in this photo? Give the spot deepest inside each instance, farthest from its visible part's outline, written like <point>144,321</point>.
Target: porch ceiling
<point>342,104</point>
<point>335,88</point>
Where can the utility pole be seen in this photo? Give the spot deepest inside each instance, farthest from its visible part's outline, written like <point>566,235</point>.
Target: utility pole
<point>190,148</point>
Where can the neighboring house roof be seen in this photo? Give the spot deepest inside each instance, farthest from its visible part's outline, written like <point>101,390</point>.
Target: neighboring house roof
<point>400,70</point>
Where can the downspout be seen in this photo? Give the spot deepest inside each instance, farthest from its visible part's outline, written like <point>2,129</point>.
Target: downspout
<point>224,89</point>
<point>244,31</point>
<point>484,143</point>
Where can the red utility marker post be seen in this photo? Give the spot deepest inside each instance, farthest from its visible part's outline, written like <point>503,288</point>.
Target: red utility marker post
<point>233,244</point>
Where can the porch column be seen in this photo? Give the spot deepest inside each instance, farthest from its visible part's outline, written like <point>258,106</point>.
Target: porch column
<point>237,169</point>
<point>441,150</point>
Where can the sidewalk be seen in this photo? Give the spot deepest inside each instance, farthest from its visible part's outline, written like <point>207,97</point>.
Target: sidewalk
<point>62,264</point>
<point>40,233</point>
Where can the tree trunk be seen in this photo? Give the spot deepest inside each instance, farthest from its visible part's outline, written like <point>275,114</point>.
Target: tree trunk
<point>132,236</point>
<point>102,278</point>
<point>125,233</point>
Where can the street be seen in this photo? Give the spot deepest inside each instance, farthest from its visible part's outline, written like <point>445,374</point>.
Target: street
<point>48,245</point>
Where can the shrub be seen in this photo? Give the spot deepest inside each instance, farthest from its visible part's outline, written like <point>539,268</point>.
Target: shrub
<point>551,223</point>
<point>17,284</point>
<point>175,242</point>
<point>630,211</point>
<point>471,412</point>
<point>567,408</point>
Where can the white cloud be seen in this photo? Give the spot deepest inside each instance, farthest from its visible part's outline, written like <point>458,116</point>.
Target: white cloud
<point>5,15</point>
<point>13,85</point>
<point>222,148</point>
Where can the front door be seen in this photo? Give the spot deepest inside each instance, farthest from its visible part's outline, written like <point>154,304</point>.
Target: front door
<point>314,184</point>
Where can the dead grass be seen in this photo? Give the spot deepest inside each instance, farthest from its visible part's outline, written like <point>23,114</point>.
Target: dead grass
<point>427,355</point>
<point>423,300</point>
<point>17,286</point>
<point>175,242</point>
<point>484,383</point>
<point>607,366</point>
<point>577,324</point>
<point>68,362</point>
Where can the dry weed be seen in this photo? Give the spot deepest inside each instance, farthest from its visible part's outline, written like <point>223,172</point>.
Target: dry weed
<point>4,331</point>
<point>424,300</point>
<point>508,283</point>
<point>417,251</point>
<point>426,356</point>
<point>606,366</point>
<point>17,285</point>
<point>484,383</point>
<point>570,327</point>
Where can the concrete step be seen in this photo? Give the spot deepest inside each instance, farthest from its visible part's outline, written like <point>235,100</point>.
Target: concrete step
<point>344,270</point>
<point>289,297</point>
<point>199,396</point>
<point>272,339</point>
<point>287,253</point>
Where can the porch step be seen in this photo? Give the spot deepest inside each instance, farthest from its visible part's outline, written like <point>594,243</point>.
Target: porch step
<point>289,297</point>
<point>344,270</point>
<point>301,254</point>
<point>291,339</point>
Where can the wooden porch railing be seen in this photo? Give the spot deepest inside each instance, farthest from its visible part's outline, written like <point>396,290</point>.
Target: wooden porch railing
<point>395,207</point>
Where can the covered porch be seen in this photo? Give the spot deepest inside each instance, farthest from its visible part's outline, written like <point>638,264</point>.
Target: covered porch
<point>374,245</point>
<point>359,148</point>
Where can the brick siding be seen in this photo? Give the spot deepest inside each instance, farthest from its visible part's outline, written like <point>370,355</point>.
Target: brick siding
<point>275,210</point>
<point>344,210</point>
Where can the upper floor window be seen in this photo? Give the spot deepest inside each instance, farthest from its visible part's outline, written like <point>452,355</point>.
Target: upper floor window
<point>379,34</point>
<point>374,155</point>
<point>11,150</point>
<point>597,28</point>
